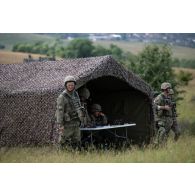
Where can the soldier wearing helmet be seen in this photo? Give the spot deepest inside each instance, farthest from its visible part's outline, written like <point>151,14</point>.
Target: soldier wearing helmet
<point>163,114</point>
<point>97,116</point>
<point>84,95</point>
<point>69,114</point>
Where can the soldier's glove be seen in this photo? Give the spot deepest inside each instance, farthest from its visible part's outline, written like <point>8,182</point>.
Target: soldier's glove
<point>60,129</point>
<point>81,113</point>
<point>167,107</point>
<point>66,117</point>
<point>82,122</point>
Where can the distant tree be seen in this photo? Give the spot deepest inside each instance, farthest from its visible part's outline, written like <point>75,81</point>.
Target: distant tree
<point>15,47</point>
<point>154,66</point>
<point>184,77</point>
<point>101,51</point>
<point>116,52</point>
<point>79,48</point>
<point>2,46</point>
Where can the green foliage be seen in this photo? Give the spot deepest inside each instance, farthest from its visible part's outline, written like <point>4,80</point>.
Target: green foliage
<point>185,63</point>
<point>2,46</point>
<point>79,48</point>
<point>184,77</point>
<point>154,66</point>
<point>116,52</point>
<point>100,51</point>
<point>181,151</point>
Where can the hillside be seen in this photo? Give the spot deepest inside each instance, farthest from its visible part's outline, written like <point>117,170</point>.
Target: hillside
<point>8,40</point>
<point>186,107</point>
<point>136,47</point>
<point>8,57</point>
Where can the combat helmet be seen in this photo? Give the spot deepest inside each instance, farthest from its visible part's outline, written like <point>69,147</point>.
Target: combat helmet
<point>165,85</point>
<point>84,92</point>
<point>69,78</point>
<point>96,108</point>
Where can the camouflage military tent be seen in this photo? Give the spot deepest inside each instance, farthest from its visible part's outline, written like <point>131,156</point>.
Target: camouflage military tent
<point>28,94</point>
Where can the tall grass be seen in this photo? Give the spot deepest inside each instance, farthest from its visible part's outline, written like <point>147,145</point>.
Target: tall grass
<point>8,57</point>
<point>182,151</point>
<point>186,107</point>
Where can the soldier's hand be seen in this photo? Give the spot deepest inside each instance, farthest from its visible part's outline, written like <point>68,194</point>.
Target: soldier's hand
<point>61,129</point>
<point>167,107</point>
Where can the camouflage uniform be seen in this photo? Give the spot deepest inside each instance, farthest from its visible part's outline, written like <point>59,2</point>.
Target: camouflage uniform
<point>163,118</point>
<point>100,120</point>
<point>68,115</point>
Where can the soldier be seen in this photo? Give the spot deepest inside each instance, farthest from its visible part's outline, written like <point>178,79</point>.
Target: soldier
<point>69,115</point>
<point>98,117</point>
<point>163,114</point>
<point>84,95</point>
<point>175,126</point>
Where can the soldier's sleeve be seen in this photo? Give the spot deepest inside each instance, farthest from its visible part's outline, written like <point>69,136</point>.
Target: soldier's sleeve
<point>158,101</point>
<point>60,109</point>
<point>105,120</point>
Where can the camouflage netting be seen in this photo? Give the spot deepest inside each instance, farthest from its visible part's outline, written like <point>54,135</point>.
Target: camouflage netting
<point>28,94</point>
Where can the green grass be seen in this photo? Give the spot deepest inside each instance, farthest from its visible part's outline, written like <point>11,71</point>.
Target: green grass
<point>175,152</point>
<point>186,107</point>
<point>136,47</point>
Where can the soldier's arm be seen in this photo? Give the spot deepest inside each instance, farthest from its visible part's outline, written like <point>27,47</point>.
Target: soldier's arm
<point>158,101</point>
<point>60,110</point>
<point>105,120</point>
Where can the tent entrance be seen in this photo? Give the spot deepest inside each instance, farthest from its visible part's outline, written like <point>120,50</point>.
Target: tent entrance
<point>121,103</point>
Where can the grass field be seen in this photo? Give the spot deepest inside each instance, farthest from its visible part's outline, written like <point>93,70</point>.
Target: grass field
<point>182,151</point>
<point>8,57</point>
<point>137,47</point>
<point>186,107</point>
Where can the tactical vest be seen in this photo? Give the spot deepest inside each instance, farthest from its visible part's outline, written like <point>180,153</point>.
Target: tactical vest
<point>165,113</point>
<point>74,103</point>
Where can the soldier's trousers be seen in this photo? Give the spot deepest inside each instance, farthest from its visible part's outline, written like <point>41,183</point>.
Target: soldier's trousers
<point>163,128</point>
<point>176,130</point>
<point>71,135</point>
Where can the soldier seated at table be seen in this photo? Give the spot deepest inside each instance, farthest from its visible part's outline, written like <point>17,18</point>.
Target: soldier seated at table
<point>98,118</point>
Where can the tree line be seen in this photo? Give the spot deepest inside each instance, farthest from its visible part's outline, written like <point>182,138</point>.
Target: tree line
<point>153,64</point>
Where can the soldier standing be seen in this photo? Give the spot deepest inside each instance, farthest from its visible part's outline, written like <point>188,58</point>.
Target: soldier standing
<point>69,114</point>
<point>163,114</point>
